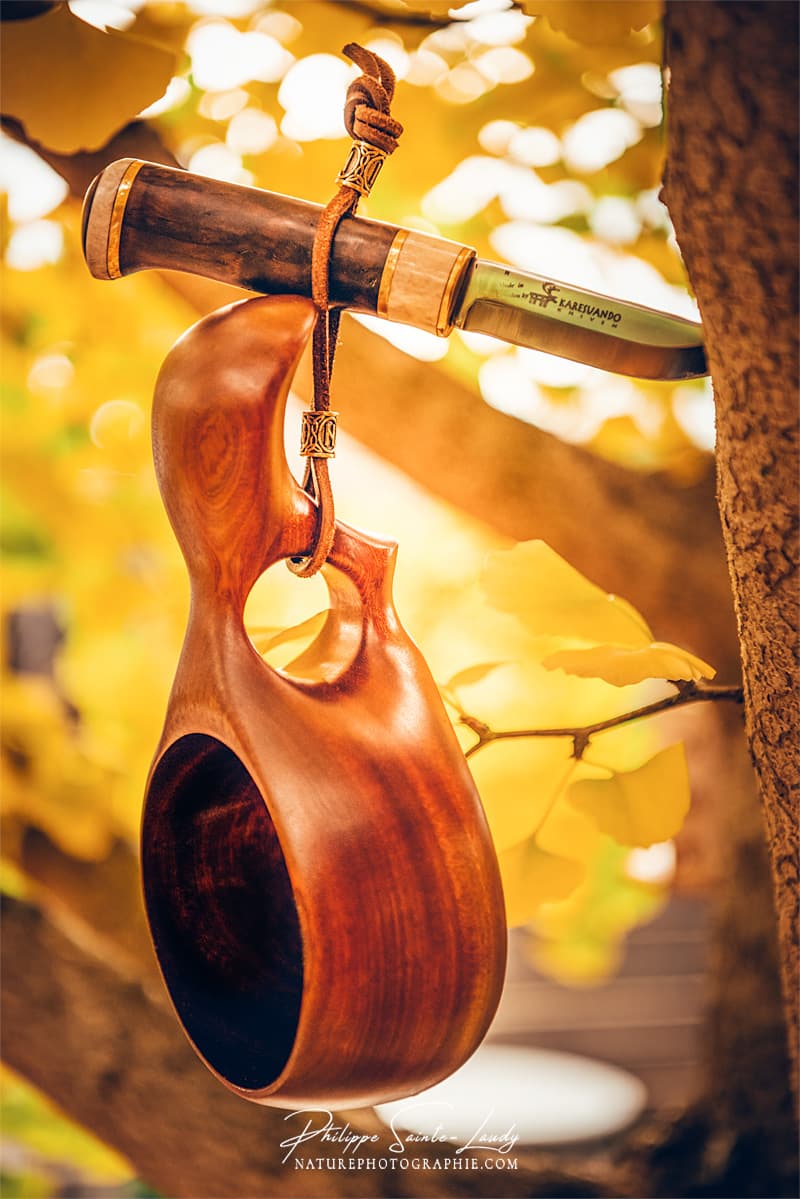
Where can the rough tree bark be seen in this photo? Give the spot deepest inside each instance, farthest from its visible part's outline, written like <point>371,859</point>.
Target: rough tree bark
<point>731,191</point>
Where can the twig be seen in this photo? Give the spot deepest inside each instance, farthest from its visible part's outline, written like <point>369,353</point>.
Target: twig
<point>413,17</point>
<point>687,693</point>
<point>393,16</point>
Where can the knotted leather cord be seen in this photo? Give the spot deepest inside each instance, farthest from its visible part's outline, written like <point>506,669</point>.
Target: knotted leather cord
<point>368,119</point>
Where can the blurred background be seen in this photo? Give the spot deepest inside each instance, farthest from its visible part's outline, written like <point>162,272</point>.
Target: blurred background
<point>534,132</point>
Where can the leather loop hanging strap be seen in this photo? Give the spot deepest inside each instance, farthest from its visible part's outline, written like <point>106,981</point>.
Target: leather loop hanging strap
<point>375,134</point>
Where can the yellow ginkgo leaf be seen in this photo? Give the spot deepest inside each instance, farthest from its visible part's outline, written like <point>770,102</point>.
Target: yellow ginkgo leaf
<point>624,665</point>
<point>269,638</point>
<point>638,807</point>
<point>568,832</point>
<point>471,675</point>
<point>532,877</point>
<point>552,598</point>
<point>519,782</point>
<point>72,86</point>
<point>596,22</point>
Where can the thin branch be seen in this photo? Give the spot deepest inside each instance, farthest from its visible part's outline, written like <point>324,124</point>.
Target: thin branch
<point>687,693</point>
<point>390,15</point>
<point>393,16</point>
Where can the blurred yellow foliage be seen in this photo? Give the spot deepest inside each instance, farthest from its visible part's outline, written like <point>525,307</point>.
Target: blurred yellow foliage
<point>73,86</point>
<point>578,941</point>
<point>597,22</point>
<point>551,599</point>
<point>32,1122</point>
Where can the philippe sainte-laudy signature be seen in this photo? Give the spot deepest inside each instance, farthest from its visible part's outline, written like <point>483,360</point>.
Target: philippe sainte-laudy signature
<point>321,1127</point>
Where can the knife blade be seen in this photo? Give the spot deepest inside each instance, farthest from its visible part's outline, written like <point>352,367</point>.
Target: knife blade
<point>543,314</point>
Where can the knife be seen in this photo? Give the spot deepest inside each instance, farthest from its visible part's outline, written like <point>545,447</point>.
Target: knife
<point>141,215</point>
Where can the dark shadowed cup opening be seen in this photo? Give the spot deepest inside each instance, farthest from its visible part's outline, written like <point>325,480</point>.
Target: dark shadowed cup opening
<point>222,912</point>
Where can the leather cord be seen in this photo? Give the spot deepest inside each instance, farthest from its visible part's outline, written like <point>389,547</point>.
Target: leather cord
<point>368,119</point>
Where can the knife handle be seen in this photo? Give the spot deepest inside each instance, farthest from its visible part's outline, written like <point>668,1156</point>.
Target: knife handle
<point>140,215</point>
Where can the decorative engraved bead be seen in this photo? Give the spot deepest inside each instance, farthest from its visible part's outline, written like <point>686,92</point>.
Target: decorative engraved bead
<point>362,167</point>
<point>318,435</point>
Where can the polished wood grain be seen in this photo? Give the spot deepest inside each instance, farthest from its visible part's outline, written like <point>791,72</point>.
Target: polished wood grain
<point>261,241</point>
<point>320,882</point>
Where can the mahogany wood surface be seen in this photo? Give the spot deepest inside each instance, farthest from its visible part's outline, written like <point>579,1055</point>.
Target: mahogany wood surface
<point>319,878</point>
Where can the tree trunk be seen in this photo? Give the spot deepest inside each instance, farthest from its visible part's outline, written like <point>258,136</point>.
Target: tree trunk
<point>731,191</point>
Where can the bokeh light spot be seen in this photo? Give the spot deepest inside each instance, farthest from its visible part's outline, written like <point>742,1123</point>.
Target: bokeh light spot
<point>598,138</point>
<point>463,84</point>
<point>616,220</point>
<point>221,106</point>
<point>535,146</point>
<point>655,865</point>
<point>49,373</point>
<point>639,90</point>
<point>425,68</point>
<point>499,28</point>
<point>116,423</point>
<point>390,47</point>
<point>313,94</point>
<point>693,405</point>
<point>504,64</point>
<point>224,58</point>
<point>218,161</point>
<point>33,188</point>
<point>496,136</point>
<point>251,132</point>
<point>35,244</point>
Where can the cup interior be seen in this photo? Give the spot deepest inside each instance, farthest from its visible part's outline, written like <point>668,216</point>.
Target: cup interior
<point>222,911</point>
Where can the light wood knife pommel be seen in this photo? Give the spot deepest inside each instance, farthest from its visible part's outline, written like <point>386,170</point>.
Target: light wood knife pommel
<point>104,214</point>
<point>422,279</point>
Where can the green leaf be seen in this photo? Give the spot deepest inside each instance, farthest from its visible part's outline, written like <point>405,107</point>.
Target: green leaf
<point>638,807</point>
<point>552,598</point>
<point>625,665</point>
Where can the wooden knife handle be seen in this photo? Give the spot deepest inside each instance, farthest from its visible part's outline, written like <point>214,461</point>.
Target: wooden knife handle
<point>140,215</point>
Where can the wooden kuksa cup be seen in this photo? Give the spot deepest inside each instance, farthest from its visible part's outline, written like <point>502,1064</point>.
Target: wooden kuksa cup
<point>320,882</point>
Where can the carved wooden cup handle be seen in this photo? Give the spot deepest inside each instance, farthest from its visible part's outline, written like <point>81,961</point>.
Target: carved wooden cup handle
<point>320,882</point>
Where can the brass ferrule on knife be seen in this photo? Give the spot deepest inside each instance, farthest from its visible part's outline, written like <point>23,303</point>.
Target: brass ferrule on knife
<point>140,215</point>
